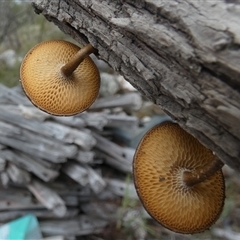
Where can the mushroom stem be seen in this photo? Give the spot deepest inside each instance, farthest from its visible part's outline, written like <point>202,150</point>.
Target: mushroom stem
<point>200,175</point>
<point>74,62</point>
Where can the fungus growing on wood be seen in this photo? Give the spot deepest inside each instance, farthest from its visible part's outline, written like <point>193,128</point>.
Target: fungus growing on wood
<point>60,78</point>
<point>178,180</point>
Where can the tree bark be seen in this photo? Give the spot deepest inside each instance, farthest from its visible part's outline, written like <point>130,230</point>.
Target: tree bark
<point>182,55</point>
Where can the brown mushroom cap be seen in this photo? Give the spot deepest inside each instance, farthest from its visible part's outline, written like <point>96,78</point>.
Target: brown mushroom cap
<point>51,91</point>
<point>164,153</point>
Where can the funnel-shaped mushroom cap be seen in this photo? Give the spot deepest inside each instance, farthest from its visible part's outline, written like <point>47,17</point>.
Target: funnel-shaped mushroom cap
<point>51,91</point>
<point>162,156</point>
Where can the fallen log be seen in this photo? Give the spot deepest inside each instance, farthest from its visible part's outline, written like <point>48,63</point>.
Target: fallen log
<point>173,53</point>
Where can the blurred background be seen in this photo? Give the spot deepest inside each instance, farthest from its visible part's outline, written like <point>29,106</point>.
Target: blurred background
<point>20,30</point>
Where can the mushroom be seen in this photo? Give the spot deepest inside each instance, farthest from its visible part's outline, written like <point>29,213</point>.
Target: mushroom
<point>178,180</point>
<point>60,78</point>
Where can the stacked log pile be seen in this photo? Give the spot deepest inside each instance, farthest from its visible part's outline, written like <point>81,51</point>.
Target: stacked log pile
<point>74,173</point>
<point>68,171</point>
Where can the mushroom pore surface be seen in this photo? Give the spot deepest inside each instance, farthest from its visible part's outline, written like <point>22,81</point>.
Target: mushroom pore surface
<point>162,156</point>
<point>51,91</point>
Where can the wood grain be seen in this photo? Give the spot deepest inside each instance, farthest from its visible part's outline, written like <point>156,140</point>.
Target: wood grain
<point>182,55</point>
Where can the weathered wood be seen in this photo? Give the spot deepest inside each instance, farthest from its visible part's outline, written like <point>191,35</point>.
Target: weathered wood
<point>48,197</point>
<point>6,216</point>
<point>115,155</point>
<point>2,146</point>
<point>97,120</point>
<point>73,121</point>
<point>17,199</point>
<point>122,121</point>
<point>9,96</point>
<point>83,139</point>
<point>26,162</point>
<point>122,188</point>
<point>132,218</point>
<point>127,101</point>
<point>50,129</point>
<point>35,144</point>
<point>173,53</point>
<point>59,238</point>
<point>18,175</point>
<point>120,163</point>
<point>2,162</point>
<point>105,210</point>
<point>77,172</point>
<point>85,156</point>
<point>82,225</point>
<point>4,178</point>
<point>29,112</point>
<point>84,174</point>
<point>96,182</point>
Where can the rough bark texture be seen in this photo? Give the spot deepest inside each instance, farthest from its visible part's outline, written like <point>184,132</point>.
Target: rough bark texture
<point>183,55</point>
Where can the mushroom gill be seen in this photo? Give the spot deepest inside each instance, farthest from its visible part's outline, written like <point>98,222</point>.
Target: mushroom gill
<point>164,154</point>
<point>60,78</point>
